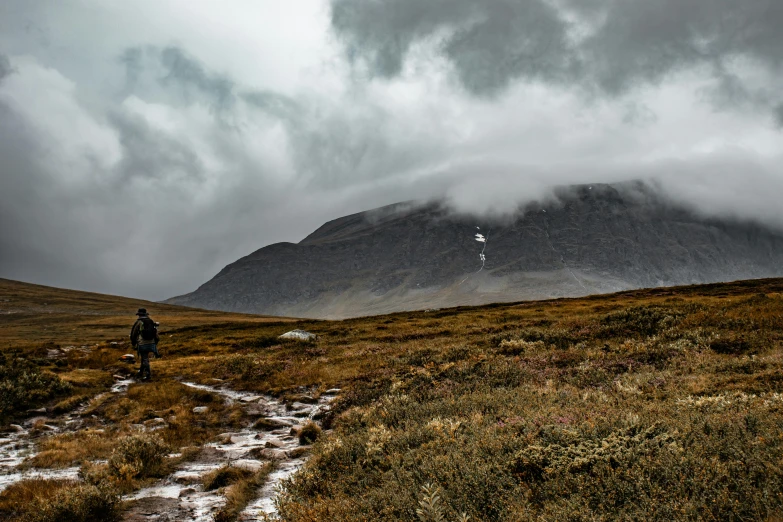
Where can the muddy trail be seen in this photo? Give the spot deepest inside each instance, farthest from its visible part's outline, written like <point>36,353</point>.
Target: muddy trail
<point>20,443</point>
<point>181,496</point>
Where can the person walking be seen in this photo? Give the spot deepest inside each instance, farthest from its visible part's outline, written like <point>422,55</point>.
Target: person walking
<point>144,337</point>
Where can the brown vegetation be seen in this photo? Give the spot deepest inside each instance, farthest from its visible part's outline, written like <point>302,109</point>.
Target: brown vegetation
<point>648,405</point>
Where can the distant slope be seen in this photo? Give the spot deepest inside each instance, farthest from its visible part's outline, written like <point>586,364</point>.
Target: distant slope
<point>38,313</point>
<point>596,239</point>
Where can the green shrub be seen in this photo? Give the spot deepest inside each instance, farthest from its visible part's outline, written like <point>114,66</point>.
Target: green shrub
<point>23,385</point>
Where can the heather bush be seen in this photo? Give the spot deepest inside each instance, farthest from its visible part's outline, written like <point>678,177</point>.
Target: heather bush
<point>244,368</point>
<point>75,503</point>
<point>24,385</point>
<point>138,456</point>
<point>309,433</point>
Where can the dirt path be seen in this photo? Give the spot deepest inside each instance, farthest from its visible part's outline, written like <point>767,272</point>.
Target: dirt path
<point>180,496</point>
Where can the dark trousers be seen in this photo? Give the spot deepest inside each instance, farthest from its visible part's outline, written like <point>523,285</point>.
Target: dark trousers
<point>144,354</point>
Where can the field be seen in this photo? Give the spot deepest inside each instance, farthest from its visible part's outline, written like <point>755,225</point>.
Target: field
<point>662,404</point>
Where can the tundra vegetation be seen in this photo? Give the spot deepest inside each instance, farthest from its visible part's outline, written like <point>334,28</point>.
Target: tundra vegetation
<point>662,404</point>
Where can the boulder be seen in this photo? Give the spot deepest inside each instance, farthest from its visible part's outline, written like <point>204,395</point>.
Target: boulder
<point>299,335</point>
<point>271,424</point>
<point>273,454</point>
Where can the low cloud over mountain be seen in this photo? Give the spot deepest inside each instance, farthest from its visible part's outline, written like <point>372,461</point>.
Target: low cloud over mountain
<point>141,157</point>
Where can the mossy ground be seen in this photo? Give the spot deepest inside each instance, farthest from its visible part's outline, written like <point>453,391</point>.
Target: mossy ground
<point>649,405</point>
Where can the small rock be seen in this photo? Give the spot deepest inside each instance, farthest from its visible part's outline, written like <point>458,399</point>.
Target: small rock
<point>17,428</point>
<point>37,411</point>
<point>273,454</point>
<point>274,443</point>
<point>271,424</point>
<point>320,414</point>
<point>333,391</point>
<point>306,399</point>
<point>201,409</point>
<point>156,420</point>
<point>299,452</point>
<point>256,410</point>
<point>186,492</point>
<point>250,398</point>
<point>114,343</point>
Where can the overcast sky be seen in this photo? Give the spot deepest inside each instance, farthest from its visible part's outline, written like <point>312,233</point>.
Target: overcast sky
<point>146,144</point>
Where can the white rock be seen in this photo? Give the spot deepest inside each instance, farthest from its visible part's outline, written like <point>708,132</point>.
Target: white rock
<point>299,335</point>
<point>201,409</point>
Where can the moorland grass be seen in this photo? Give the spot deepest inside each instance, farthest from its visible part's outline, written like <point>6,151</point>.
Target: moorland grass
<point>647,405</point>
<point>43,500</point>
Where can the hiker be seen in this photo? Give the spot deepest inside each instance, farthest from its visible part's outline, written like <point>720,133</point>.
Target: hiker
<point>144,337</point>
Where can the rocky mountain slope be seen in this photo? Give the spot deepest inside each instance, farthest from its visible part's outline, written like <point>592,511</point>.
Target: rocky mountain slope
<point>591,239</point>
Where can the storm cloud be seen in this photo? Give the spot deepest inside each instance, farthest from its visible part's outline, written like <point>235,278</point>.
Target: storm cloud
<point>601,46</point>
<point>145,146</point>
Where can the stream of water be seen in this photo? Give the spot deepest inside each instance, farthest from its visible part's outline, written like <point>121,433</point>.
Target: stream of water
<point>180,496</point>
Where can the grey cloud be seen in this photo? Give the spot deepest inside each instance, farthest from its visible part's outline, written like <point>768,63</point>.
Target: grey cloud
<point>132,59</point>
<point>273,103</point>
<point>151,154</point>
<point>778,115</point>
<point>491,42</point>
<point>601,46</point>
<point>173,69</point>
<point>5,67</point>
<point>189,73</point>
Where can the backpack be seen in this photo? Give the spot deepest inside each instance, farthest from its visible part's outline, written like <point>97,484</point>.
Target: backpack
<point>147,329</point>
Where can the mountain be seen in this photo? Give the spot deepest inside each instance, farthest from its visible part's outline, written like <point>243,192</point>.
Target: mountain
<point>587,240</point>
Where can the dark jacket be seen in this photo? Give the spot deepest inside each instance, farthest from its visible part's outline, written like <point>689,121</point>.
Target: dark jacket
<point>135,336</point>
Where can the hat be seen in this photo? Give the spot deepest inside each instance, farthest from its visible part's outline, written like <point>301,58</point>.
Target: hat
<point>142,311</point>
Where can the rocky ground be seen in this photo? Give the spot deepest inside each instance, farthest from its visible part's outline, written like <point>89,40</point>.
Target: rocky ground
<point>181,495</point>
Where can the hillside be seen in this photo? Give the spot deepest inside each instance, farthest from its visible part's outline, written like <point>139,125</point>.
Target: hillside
<point>593,239</point>
<point>39,314</point>
<point>662,404</point>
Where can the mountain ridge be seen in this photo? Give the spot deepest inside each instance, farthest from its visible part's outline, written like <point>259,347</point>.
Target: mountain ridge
<point>589,239</point>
